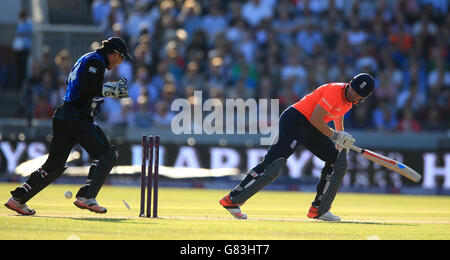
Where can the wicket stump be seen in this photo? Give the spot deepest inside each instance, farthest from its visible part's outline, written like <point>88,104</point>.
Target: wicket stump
<point>150,152</point>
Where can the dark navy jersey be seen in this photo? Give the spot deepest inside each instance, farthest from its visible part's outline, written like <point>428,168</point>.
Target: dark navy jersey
<point>84,83</point>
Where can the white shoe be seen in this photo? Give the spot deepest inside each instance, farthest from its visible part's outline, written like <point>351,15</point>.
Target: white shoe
<point>328,216</point>
<point>22,209</point>
<point>234,209</point>
<point>237,213</point>
<point>90,204</point>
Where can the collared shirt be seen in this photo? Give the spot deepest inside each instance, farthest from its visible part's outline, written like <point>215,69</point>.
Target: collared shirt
<point>329,96</point>
<point>85,82</point>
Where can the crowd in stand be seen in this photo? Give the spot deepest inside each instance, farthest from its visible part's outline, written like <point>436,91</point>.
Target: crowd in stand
<point>265,49</point>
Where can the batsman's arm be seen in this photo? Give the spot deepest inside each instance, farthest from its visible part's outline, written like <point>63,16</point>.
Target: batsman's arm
<point>339,124</point>
<point>342,139</point>
<point>318,122</point>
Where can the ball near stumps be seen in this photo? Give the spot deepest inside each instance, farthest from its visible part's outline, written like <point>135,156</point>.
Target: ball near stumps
<point>68,195</point>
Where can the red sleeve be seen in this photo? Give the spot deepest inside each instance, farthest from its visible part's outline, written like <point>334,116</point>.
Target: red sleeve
<point>329,99</point>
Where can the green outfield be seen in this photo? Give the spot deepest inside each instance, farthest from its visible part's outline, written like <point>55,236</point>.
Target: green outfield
<point>195,214</point>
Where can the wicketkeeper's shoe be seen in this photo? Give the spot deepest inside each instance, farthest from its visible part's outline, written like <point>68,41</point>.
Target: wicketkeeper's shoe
<point>234,209</point>
<point>90,204</point>
<point>328,216</point>
<point>22,209</point>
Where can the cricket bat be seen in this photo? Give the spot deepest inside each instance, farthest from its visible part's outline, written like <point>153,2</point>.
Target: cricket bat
<point>388,163</point>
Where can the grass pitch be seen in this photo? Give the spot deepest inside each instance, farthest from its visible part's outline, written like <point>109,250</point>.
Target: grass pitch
<point>195,214</point>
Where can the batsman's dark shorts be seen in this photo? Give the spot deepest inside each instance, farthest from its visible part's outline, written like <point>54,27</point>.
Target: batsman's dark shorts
<point>296,130</point>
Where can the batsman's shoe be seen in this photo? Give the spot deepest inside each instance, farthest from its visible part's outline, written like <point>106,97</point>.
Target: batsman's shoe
<point>234,209</point>
<point>313,212</point>
<point>22,209</point>
<point>328,216</point>
<point>90,204</point>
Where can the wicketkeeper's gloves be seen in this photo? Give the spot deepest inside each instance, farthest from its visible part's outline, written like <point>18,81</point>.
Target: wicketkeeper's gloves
<point>117,89</point>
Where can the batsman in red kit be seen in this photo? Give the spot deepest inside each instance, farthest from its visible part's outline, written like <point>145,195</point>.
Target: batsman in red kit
<point>305,123</point>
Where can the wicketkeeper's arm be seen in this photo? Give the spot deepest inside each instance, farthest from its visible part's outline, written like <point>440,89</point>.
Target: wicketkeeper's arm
<point>92,78</point>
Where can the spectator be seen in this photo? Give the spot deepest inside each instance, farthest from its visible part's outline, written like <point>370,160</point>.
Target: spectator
<point>331,31</point>
<point>242,69</point>
<point>114,16</point>
<point>22,46</point>
<point>168,93</point>
<point>407,122</point>
<point>192,78</point>
<point>111,109</point>
<point>141,86</point>
<point>306,17</point>
<point>287,96</point>
<point>423,26</point>
<point>434,120</point>
<point>143,118</point>
<point>45,89</point>
<point>163,117</point>
<point>217,78</point>
<point>384,118</point>
<point>254,11</point>
<point>100,10</point>
<point>359,118</point>
<point>267,49</point>
<point>46,62</point>
<point>438,6</point>
<point>308,38</point>
<point>236,31</point>
<point>247,46</point>
<point>356,35</point>
<point>63,63</point>
<point>189,17</point>
<point>240,90</point>
<point>412,96</point>
<point>42,109</point>
<point>138,20</point>
<point>27,104</point>
<point>284,26</point>
<point>214,23</point>
<point>400,35</point>
<point>128,115</point>
<point>266,89</point>
<point>294,71</point>
<point>366,62</point>
<point>58,94</point>
<point>198,48</point>
<point>439,77</point>
<point>317,7</point>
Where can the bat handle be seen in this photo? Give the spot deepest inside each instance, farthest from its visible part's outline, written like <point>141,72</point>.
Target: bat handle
<point>356,149</point>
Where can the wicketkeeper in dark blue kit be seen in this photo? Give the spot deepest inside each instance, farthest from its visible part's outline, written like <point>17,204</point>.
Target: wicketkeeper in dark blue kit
<point>73,123</point>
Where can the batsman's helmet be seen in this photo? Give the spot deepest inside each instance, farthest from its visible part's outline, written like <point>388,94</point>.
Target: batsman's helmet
<point>363,84</point>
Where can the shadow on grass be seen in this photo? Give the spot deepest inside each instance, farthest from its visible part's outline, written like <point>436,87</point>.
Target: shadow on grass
<point>97,219</point>
<point>107,220</point>
<point>375,223</point>
<point>359,222</point>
